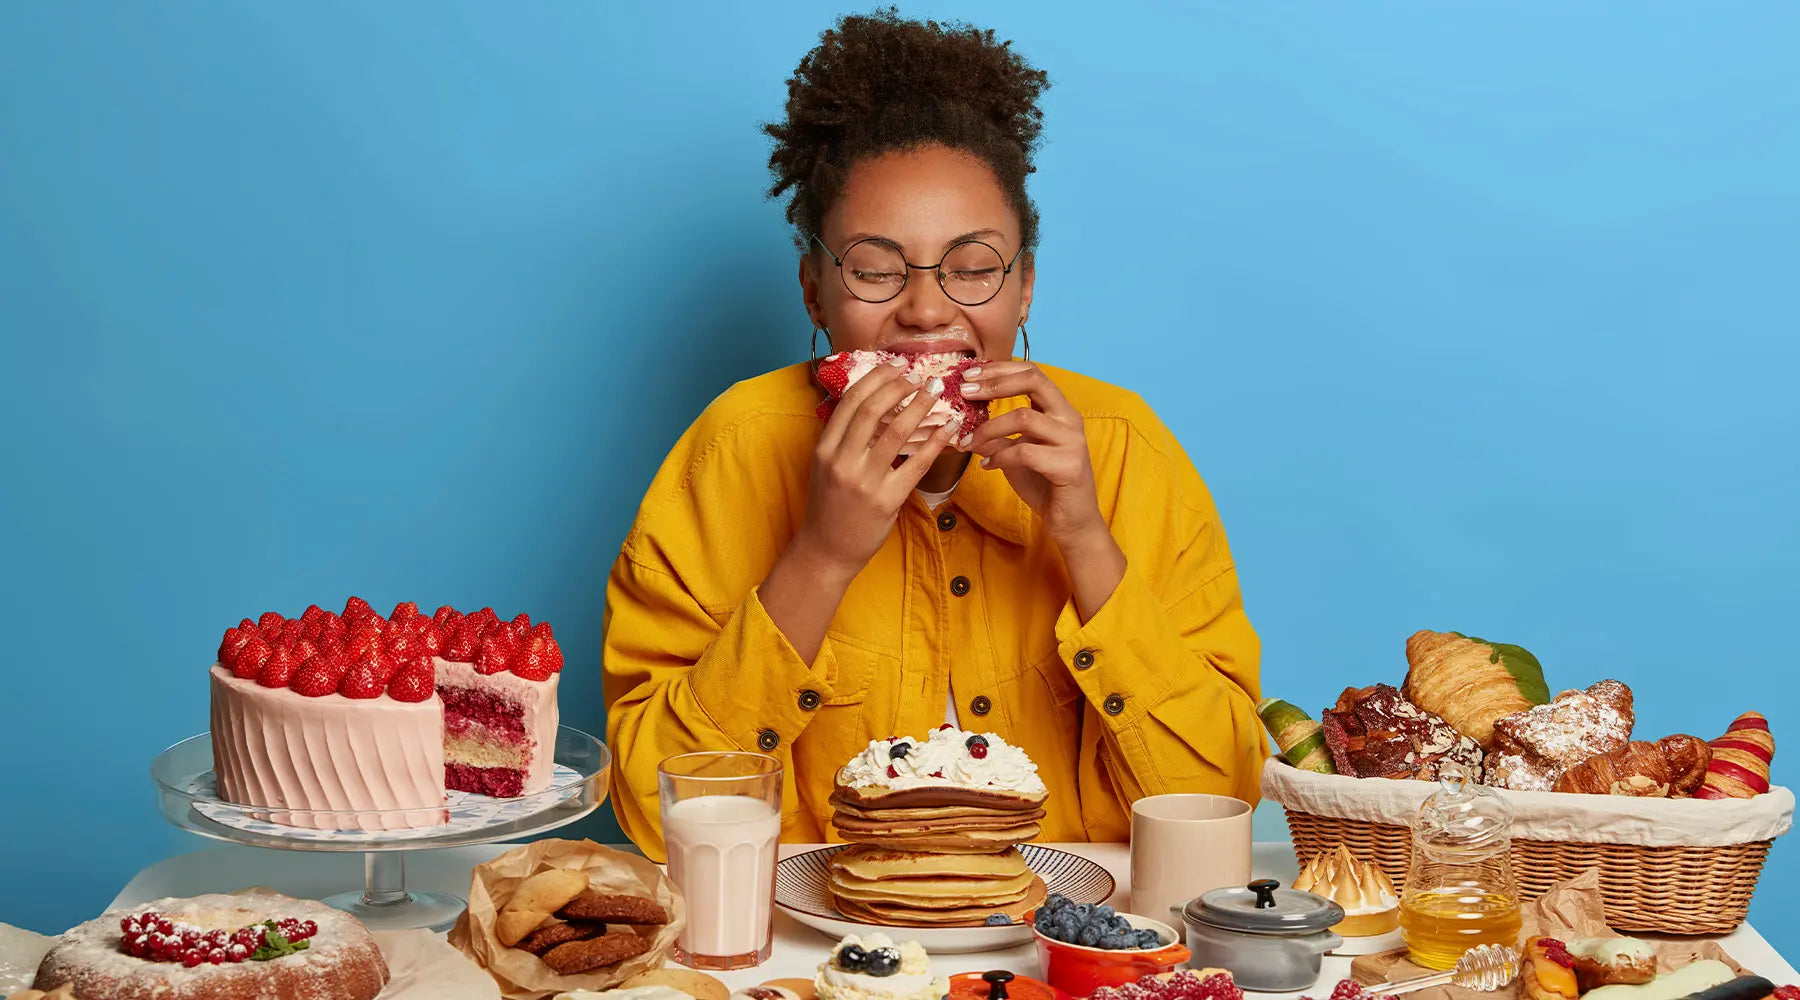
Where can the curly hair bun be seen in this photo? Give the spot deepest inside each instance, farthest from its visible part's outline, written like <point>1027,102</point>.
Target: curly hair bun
<point>877,84</point>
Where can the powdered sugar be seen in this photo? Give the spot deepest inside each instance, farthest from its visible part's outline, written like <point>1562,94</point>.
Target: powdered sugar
<point>1533,748</point>
<point>341,961</point>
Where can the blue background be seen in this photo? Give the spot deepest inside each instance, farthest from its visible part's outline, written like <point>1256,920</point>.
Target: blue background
<point>1475,317</point>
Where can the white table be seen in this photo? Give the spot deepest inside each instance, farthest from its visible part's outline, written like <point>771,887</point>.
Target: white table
<point>798,949</point>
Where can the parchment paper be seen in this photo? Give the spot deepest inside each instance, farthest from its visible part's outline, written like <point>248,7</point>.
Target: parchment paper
<point>520,975</point>
<point>1570,909</point>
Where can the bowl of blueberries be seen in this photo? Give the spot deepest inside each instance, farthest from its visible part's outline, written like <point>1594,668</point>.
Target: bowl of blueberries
<point>1082,947</point>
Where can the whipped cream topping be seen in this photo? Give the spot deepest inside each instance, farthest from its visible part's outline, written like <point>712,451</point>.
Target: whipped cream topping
<point>1358,887</point>
<point>913,981</point>
<point>943,760</point>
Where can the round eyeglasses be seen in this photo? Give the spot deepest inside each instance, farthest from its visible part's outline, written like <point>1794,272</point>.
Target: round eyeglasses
<point>874,270</point>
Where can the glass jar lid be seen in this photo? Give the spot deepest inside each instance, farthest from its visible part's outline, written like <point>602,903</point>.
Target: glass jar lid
<point>1264,907</point>
<point>1463,817</point>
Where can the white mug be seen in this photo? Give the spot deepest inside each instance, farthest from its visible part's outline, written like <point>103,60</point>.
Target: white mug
<point>1183,845</point>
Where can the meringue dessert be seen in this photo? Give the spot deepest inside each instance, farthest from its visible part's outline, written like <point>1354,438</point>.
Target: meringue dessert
<point>1371,905</point>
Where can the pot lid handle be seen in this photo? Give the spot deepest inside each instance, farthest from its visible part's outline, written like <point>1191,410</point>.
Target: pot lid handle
<point>1265,892</point>
<point>997,980</point>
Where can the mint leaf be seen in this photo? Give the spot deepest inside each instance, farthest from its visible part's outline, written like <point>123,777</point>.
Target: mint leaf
<point>276,945</point>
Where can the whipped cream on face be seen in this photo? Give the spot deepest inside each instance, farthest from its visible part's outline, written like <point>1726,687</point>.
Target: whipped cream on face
<point>943,760</point>
<point>912,981</point>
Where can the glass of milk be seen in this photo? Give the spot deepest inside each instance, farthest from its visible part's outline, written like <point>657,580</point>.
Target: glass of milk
<point>721,819</point>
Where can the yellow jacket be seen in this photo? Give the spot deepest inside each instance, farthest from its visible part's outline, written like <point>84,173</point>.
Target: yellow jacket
<point>1156,693</point>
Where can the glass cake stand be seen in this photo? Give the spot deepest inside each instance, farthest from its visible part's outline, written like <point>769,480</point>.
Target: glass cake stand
<point>187,793</point>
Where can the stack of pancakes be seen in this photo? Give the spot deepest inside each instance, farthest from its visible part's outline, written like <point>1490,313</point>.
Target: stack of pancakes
<point>908,888</point>
<point>937,855</point>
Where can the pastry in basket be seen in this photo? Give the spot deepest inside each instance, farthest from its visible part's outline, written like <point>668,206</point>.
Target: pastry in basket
<point>1739,768</point>
<point>1637,769</point>
<point>1370,903</point>
<point>1533,748</point>
<point>1547,971</point>
<point>875,967</point>
<point>218,946</point>
<point>1672,766</point>
<point>1612,961</point>
<point>1374,732</point>
<point>1301,740</point>
<point>1471,682</point>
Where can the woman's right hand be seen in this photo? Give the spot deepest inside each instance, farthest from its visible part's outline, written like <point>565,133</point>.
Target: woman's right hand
<point>857,486</point>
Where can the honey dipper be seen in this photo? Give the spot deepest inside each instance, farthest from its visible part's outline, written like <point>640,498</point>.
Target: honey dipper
<point>1484,967</point>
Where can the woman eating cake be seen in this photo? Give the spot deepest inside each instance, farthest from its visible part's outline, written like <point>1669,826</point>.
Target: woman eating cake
<point>919,525</point>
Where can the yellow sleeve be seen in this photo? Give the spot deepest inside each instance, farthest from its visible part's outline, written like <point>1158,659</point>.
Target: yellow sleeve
<point>677,680</point>
<point>1174,654</point>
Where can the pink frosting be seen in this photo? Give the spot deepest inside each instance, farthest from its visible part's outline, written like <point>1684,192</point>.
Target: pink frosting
<point>276,747</point>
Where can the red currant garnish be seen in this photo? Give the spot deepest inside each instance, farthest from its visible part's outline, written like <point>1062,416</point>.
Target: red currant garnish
<point>892,773</point>
<point>191,958</point>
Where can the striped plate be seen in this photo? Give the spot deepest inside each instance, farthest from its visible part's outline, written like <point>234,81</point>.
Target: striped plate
<point>802,888</point>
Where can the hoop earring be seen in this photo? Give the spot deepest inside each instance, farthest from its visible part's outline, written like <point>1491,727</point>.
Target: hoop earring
<point>1026,337</point>
<point>815,344</point>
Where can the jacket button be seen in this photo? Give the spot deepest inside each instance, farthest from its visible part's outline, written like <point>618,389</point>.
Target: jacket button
<point>809,700</point>
<point>981,705</point>
<point>959,586</point>
<point>946,521</point>
<point>767,739</point>
<point>1084,659</point>
<point>1113,704</point>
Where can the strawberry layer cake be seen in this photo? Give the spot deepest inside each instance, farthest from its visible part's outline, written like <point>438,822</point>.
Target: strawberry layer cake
<point>355,712</point>
<point>261,945</point>
<point>838,372</point>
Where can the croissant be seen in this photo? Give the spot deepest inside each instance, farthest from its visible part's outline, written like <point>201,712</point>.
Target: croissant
<point>1471,682</point>
<point>1688,760</point>
<point>1637,768</point>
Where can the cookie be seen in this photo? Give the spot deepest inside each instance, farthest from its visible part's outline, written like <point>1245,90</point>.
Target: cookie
<point>698,985</point>
<point>576,957</point>
<point>534,900</point>
<point>549,936</point>
<point>612,909</point>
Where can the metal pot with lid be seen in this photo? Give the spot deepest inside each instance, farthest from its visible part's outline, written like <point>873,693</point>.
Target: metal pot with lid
<point>1273,940</point>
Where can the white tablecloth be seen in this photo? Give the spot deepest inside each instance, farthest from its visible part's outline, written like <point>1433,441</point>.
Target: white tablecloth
<point>798,949</point>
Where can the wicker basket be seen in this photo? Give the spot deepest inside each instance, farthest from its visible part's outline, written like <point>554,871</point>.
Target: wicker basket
<point>1648,888</point>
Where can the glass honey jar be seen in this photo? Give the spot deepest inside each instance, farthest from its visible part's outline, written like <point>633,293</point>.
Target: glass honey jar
<point>1460,891</point>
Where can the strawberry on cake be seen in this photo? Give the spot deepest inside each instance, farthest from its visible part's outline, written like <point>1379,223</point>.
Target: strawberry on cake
<point>358,713</point>
<point>838,372</point>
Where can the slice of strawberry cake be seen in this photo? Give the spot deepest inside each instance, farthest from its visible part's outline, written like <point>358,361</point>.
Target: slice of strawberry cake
<point>838,372</point>
<point>354,721</point>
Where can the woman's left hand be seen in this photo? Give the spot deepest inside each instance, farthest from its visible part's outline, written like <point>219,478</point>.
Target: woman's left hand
<point>1047,461</point>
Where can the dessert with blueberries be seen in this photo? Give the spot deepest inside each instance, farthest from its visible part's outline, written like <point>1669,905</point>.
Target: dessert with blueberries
<point>874,967</point>
<point>1091,926</point>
